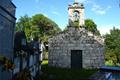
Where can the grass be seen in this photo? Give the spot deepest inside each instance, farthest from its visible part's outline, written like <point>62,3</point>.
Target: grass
<point>45,62</point>
<point>52,73</point>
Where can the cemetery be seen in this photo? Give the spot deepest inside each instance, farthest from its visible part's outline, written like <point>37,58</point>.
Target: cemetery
<point>35,48</point>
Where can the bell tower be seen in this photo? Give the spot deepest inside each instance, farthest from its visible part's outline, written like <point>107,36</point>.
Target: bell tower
<point>76,13</point>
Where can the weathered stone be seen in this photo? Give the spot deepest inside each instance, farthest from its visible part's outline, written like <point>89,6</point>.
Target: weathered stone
<point>76,39</point>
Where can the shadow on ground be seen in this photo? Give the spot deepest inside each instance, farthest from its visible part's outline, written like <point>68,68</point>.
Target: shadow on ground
<point>52,73</point>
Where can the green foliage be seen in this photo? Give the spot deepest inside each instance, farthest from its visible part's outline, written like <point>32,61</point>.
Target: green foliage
<point>46,26</point>
<point>112,45</point>
<point>109,63</point>
<point>75,24</point>
<point>37,25</point>
<point>45,62</point>
<point>91,26</point>
<point>24,23</point>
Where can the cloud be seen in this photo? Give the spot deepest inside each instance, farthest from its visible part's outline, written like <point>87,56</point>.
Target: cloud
<point>56,13</point>
<point>100,10</point>
<point>106,28</point>
<point>84,1</point>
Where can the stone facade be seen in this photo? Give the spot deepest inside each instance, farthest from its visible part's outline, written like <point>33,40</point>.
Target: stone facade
<point>60,47</point>
<point>7,26</point>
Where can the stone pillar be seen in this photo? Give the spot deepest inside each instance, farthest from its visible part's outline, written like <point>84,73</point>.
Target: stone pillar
<point>81,19</point>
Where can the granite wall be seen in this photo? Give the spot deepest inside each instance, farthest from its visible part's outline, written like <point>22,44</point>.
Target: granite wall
<point>60,47</point>
<point>7,27</point>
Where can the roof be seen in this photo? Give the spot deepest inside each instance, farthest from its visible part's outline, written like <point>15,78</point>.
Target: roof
<point>76,34</point>
<point>12,3</point>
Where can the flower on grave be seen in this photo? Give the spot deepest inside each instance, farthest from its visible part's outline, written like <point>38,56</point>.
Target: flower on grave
<point>6,63</point>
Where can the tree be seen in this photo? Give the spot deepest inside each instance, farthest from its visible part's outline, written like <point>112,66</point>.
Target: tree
<point>38,25</point>
<point>46,26</point>
<point>24,23</point>
<point>112,45</point>
<point>91,26</point>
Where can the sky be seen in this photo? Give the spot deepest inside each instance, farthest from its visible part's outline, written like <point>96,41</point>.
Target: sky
<point>105,13</point>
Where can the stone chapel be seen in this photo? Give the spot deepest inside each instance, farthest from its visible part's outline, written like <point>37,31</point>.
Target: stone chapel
<point>76,47</point>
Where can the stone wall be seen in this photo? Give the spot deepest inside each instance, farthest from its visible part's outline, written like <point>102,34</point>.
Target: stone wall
<point>7,26</point>
<point>60,47</point>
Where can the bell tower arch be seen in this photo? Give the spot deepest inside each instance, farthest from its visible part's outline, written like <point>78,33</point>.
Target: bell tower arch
<point>76,13</point>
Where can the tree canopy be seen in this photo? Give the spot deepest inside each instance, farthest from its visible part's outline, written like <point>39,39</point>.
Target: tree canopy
<point>24,23</point>
<point>91,26</point>
<point>112,46</point>
<point>39,25</point>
